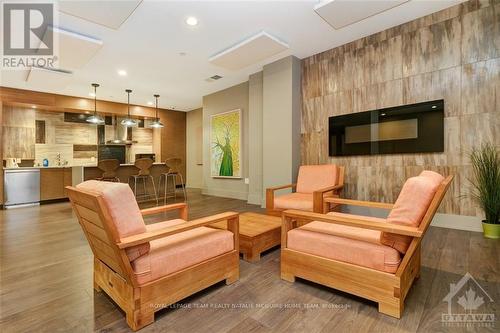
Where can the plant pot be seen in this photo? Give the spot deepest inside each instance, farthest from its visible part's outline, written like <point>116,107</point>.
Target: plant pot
<point>491,230</point>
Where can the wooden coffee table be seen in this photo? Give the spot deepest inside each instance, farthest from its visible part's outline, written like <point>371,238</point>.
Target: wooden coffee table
<point>258,233</point>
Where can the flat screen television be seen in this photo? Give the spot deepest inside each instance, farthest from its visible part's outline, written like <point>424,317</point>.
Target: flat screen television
<point>414,128</point>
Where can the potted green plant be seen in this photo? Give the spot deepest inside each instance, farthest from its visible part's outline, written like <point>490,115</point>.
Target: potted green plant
<point>486,186</point>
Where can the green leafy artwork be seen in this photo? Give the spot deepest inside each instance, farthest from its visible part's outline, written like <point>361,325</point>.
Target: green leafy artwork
<point>225,149</point>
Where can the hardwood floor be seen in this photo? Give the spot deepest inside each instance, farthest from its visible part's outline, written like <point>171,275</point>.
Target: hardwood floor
<point>46,284</point>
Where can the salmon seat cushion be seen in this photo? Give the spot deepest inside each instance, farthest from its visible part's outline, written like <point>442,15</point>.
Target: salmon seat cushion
<point>410,207</point>
<point>300,201</point>
<point>173,253</point>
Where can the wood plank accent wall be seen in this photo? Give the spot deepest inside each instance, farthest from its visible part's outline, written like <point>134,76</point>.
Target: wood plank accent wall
<point>55,102</point>
<point>173,137</point>
<point>453,54</point>
<point>1,153</point>
<point>18,138</point>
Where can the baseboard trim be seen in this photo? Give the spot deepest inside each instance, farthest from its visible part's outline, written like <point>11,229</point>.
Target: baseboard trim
<point>225,193</point>
<point>254,198</point>
<point>459,222</point>
<point>450,221</point>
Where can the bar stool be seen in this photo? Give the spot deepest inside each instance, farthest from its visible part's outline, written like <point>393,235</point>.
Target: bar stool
<point>173,167</point>
<point>108,168</point>
<point>144,165</point>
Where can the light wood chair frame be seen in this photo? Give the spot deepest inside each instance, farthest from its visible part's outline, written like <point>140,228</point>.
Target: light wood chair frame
<point>112,269</point>
<point>388,290</point>
<point>319,196</point>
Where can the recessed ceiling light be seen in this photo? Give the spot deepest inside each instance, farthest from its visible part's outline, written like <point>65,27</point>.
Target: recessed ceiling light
<point>434,106</point>
<point>382,114</point>
<point>122,72</point>
<point>91,94</point>
<point>33,106</point>
<point>192,21</point>
<point>150,103</point>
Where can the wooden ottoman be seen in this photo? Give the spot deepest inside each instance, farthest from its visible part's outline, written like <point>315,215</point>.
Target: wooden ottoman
<point>258,233</point>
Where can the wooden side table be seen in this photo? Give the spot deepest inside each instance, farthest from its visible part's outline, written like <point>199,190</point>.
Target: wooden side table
<point>258,233</point>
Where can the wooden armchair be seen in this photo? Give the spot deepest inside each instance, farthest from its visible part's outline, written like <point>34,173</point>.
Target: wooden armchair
<point>314,184</point>
<point>373,258</point>
<point>145,268</point>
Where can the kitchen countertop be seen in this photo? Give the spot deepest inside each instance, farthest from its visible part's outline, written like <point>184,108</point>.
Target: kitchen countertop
<point>74,166</point>
<point>33,167</point>
<point>122,165</point>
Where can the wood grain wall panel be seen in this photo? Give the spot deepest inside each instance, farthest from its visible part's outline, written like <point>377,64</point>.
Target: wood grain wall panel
<point>442,84</point>
<point>72,133</point>
<point>481,87</point>
<point>1,152</point>
<point>143,136</point>
<point>50,151</point>
<point>450,55</point>
<point>432,48</point>
<point>18,138</point>
<point>173,137</point>
<point>481,41</point>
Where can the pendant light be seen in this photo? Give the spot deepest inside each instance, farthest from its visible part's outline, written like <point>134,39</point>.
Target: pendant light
<point>95,118</point>
<point>128,122</point>
<point>156,123</point>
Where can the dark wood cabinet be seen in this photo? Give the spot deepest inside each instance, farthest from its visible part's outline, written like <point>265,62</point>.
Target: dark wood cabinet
<point>53,182</point>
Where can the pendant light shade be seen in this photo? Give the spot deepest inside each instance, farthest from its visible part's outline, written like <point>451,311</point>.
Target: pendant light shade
<point>128,122</point>
<point>156,123</point>
<point>95,118</point>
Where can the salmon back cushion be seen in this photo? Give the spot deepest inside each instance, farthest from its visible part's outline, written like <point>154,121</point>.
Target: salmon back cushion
<point>410,207</point>
<point>316,177</point>
<point>124,211</point>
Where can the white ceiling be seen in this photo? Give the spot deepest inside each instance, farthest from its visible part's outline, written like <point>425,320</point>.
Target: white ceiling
<point>163,55</point>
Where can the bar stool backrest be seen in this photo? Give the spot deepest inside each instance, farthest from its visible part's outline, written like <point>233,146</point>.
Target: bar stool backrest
<point>173,164</point>
<point>108,167</point>
<point>144,166</point>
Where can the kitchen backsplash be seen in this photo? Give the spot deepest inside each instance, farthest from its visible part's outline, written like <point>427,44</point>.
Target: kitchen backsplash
<point>76,143</point>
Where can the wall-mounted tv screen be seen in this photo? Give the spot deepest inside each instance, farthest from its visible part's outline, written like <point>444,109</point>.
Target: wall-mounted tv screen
<point>415,128</point>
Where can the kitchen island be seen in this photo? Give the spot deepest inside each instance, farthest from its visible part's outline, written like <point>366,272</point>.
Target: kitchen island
<point>123,172</point>
<point>28,185</point>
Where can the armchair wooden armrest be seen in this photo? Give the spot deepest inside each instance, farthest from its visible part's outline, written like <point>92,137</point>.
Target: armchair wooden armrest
<point>351,221</point>
<point>319,197</point>
<point>276,188</point>
<point>270,194</point>
<point>182,207</point>
<point>230,217</point>
<point>371,204</point>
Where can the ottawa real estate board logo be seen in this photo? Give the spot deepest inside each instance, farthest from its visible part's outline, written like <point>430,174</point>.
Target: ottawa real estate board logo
<point>27,35</point>
<point>467,301</point>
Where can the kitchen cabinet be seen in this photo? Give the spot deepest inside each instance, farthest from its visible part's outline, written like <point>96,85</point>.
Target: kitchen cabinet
<point>53,182</point>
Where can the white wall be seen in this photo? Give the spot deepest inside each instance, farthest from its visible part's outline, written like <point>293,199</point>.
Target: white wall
<point>281,122</point>
<point>194,149</point>
<point>255,111</point>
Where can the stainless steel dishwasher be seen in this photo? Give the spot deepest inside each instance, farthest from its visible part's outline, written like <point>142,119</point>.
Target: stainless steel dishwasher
<point>21,186</point>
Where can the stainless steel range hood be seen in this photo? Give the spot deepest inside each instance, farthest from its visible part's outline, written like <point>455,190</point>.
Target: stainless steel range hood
<point>120,133</point>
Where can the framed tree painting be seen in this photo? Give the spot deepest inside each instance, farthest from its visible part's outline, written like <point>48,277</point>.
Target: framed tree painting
<point>225,148</point>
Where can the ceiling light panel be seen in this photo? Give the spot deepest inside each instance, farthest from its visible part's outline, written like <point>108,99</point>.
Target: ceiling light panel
<point>250,51</point>
<point>74,50</point>
<point>341,13</point>
<point>111,14</point>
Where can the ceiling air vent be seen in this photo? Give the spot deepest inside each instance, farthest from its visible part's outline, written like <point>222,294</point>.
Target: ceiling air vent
<point>213,78</point>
